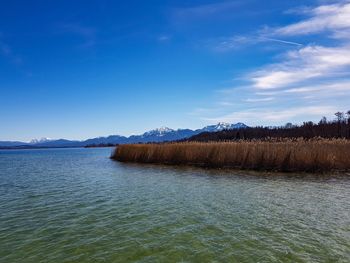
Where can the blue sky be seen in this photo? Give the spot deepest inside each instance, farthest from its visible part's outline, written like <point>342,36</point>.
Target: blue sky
<point>82,69</point>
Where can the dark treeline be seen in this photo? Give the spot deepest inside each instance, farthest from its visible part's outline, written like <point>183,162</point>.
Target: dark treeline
<point>338,128</point>
<point>94,145</point>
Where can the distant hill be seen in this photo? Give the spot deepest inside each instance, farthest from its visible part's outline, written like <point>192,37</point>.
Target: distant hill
<point>12,143</point>
<point>157,135</point>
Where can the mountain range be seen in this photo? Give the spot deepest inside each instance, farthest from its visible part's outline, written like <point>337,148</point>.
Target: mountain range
<point>157,135</point>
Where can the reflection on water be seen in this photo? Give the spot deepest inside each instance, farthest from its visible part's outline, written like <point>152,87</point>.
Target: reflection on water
<point>76,205</point>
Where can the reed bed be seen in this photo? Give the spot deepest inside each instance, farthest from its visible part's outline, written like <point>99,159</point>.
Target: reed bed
<point>292,155</point>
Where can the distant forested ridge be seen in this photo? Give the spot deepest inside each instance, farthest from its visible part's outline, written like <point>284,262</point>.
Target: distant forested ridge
<point>337,128</point>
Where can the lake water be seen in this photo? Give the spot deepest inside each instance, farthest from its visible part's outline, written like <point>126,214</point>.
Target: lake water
<point>77,205</point>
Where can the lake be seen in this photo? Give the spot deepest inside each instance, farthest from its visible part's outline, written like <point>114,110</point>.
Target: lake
<point>77,205</point>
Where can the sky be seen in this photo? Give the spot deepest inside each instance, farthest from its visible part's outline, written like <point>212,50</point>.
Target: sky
<point>82,69</point>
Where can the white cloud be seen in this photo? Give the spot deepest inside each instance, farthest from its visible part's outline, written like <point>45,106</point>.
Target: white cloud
<point>334,18</point>
<point>331,87</point>
<point>306,63</point>
<point>259,99</point>
<point>274,116</point>
<point>307,82</point>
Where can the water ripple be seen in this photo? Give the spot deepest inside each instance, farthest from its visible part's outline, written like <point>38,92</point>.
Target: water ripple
<point>76,205</point>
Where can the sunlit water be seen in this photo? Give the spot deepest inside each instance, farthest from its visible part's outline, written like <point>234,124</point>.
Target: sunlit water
<point>77,205</point>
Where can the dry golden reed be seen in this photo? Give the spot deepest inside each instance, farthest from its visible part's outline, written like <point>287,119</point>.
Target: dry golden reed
<point>284,155</point>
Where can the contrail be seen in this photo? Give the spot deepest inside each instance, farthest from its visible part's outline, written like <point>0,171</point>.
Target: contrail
<point>281,41</point>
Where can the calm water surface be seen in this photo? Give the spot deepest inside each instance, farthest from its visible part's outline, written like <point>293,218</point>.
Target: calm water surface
<point>76,205</point>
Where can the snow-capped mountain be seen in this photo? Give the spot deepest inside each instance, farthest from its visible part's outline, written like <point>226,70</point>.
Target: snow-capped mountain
<point>223,126</point>
<point>166,134</point>
<point>41,140</point>
<point>183,133</point>
<point>160,135</point>
<point>157,135</point>
<point>158,132</point>
<point>239,125</point>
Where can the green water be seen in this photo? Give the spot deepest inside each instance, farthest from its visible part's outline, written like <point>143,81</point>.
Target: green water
<point>76,205</point>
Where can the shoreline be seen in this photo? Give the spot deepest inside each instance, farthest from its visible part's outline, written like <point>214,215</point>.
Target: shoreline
<point>63,147</point>
<point>238,169</point>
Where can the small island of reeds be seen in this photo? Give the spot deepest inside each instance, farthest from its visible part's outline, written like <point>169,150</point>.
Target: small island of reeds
<point>316,155</point>
<point>309,147</point>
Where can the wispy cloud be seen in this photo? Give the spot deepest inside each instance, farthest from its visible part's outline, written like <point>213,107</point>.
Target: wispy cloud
<point>86,33</point>
<point>334,18</point>
<point>204,11</point>
<point>235,42</point>
<point>259,99</point>
<point>7,52</point>
<point>273,116</point>
<point>311,61</point>
<point>330,88</point>
<point>164,38</point>
<point>306,82</point>
<point>5,49</point>
<point>227,44</point>
<point>306,63</point>
<point>319,91</point>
